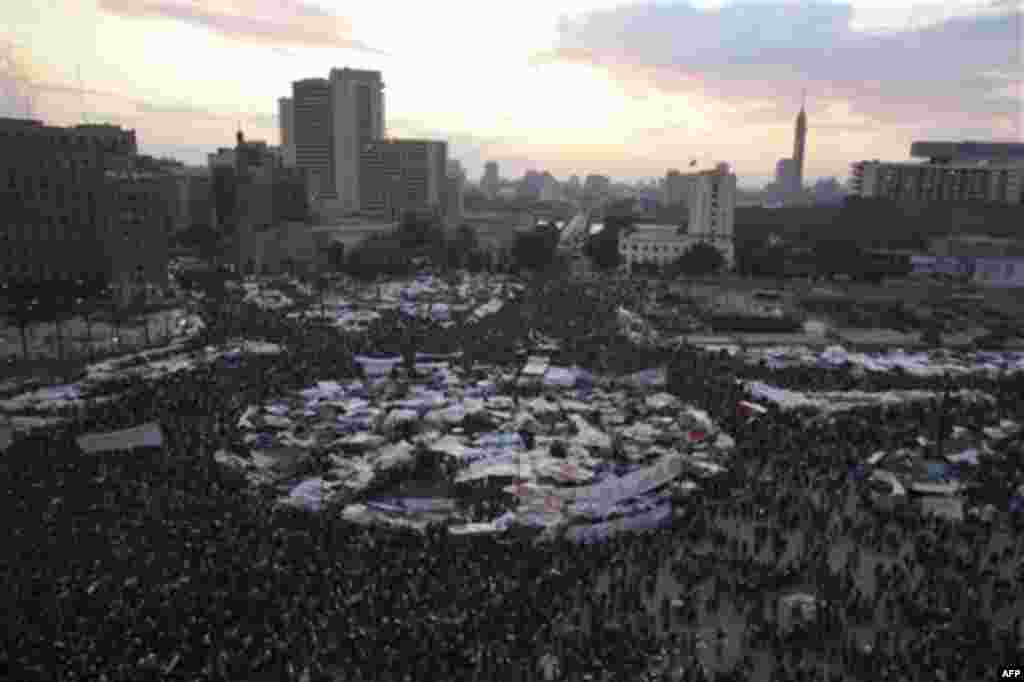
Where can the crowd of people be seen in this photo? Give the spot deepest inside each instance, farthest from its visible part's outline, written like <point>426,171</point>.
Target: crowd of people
<point>157,565</point>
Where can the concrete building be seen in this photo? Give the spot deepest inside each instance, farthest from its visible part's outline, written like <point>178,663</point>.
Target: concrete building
<point>137,235</point>
<point>54,193</point>
<point>314,136</point>
<point>357,103</point>
<point>402,175</point>
<point>491,181</point>
<point>455,193</point>
<point>655,244</point>
<point>999,153</point>
<point>951,171</point>
<point>286,123</point>
<point>711,209</point>
<point>330,120</point>
<point>953,181</point>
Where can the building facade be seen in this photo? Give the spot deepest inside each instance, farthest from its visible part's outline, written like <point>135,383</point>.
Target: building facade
<point>357,113</point>
<point>54,193</point>
<point>286,123</point>
<point>402,175</point>
<point>455,194</point>
<point>136,237</point>
<point>711,208</point>
<point>491,181</point>
<point>314,136</point>
<point>943,181</point>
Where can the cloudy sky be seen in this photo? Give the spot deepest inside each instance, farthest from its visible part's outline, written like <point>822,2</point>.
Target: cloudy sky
<point>627,89</point>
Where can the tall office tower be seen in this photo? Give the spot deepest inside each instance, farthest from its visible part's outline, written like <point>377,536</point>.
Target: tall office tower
<point>286,122</point>
<point>799,146</point>
<point>490,182</point>
<point>357,114</point>
<point>314,136</point>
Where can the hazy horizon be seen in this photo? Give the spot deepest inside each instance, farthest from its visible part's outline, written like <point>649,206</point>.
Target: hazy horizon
<point>591,86</point>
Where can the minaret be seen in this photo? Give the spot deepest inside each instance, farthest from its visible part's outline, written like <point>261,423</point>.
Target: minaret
<point>799,143</point>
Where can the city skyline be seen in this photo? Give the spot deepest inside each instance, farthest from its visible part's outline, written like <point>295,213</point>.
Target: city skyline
<point>641,103</point>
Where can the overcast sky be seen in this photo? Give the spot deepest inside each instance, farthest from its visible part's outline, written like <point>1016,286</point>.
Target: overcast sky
<point>586,86</point>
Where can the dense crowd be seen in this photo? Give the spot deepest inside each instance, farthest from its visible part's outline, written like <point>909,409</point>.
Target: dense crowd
<point>156,564</point>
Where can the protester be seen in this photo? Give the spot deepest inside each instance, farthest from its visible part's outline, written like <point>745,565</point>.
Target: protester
<point>153,564</point>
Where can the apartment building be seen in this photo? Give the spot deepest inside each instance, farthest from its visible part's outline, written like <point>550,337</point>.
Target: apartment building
<point>54,192</point>
<point>402,175</point>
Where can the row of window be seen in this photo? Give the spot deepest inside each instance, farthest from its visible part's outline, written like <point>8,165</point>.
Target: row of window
<point>40,270</point>
<point>54,229</point>
<point>653,248</point>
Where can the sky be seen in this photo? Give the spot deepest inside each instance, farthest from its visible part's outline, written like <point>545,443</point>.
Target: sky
<point>627,89</point>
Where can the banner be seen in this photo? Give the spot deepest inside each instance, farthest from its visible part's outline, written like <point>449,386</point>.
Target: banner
<point>145,436</point>
<point>599,500</point>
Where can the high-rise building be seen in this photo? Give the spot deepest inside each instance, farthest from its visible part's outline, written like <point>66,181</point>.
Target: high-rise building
<point>286,122</point>
<point>402,175</point>
<point>799,147</point>
<point>357,113</point>
<point>712,208</point>
<point>491,181</point>
<point>314,136</point>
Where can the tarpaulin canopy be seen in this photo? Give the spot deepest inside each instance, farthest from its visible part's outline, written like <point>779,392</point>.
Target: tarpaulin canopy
<point>145,436</point>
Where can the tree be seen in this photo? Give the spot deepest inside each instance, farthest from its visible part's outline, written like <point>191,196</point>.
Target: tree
<point>700,259</point>
<point>532,251</point>
<point>838,257</point>
<point>603,247</point>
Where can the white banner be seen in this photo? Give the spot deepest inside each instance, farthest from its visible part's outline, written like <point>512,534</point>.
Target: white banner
<point>145,436</point>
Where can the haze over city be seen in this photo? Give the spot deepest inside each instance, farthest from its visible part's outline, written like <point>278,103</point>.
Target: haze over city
<point>627,90</point>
